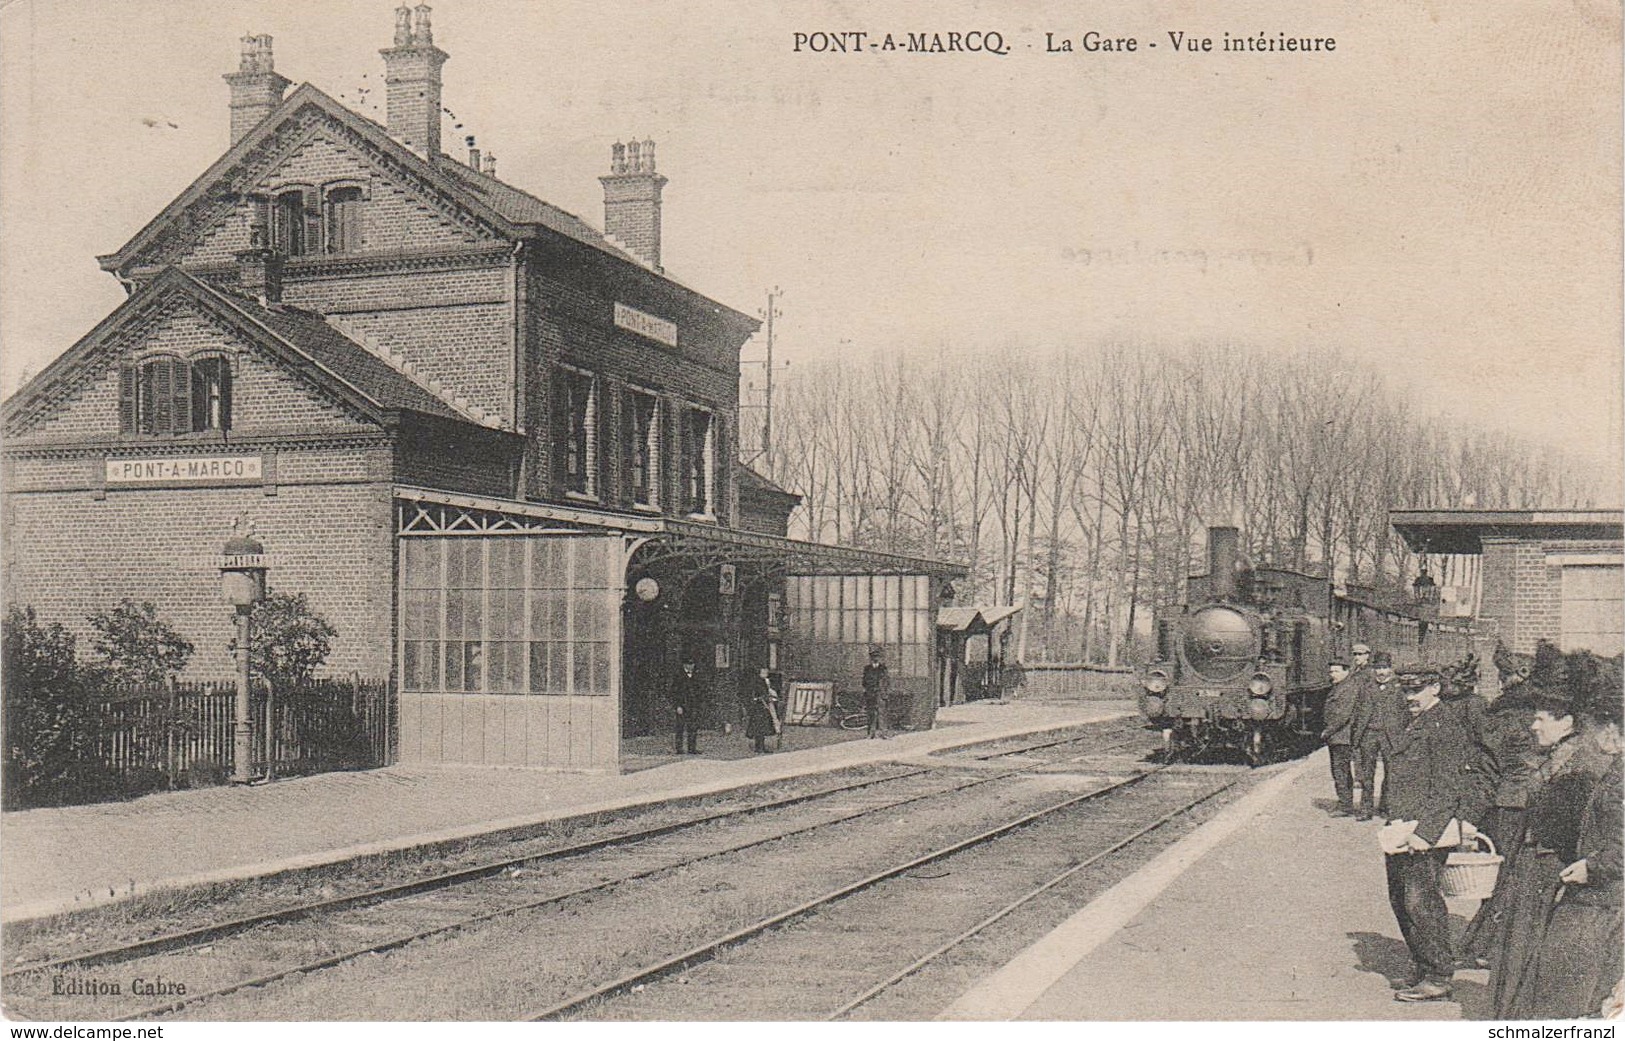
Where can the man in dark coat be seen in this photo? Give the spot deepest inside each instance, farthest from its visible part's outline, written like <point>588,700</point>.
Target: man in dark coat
<point>876,685</point>
<point>1380,716</point>
<point>1427,765</point>
<point>687,699</point>
<point>1337,719</point>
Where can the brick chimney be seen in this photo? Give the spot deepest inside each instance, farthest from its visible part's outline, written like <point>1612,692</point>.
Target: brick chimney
<point>632,200</point>
<point>412,79</point>
<point>256,88</point>
<point>259,268</point>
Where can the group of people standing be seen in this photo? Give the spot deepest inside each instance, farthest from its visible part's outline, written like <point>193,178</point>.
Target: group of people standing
<point>761,700</point>
<point>1538,771</point>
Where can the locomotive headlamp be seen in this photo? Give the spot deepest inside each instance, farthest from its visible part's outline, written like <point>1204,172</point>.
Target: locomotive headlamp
<point>1156,681</point>
<point>1260,685</point>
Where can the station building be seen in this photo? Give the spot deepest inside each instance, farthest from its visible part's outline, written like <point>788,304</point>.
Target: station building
<point>494,445</point>
<point>1556,575</point>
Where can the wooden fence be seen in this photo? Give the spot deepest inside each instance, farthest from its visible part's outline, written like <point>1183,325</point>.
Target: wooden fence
<point>182,735</point>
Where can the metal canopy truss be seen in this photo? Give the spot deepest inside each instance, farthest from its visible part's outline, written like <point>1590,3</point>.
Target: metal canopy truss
<point>686,546</point>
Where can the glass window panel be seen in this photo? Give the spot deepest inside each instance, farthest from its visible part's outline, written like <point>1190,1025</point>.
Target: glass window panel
<point>420,562</point>
<point>454,664</point>
<point>538,667</point>
<point>600,667</point>
<point>849,626</point>
<point>849,592</point>
<point>558,668</point>
<point>473,665</point>
<point>861,586</point>
<point>516,615</point>
<point>894,623</point>
<point>454,612</point>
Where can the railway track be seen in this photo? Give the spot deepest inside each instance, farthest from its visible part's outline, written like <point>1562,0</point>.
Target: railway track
<point>892,919</point>
<point>226,957</point>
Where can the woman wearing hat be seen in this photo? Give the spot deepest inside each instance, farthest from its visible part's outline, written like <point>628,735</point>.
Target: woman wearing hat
<point>1569,769</point>
<point>1579,961</point>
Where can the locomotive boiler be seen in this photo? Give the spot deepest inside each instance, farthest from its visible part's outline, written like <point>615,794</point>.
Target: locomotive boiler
<point>1242,664</point>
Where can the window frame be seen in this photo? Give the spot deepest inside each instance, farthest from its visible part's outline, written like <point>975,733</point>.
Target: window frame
<point>697,469</point>
<point>579,439</point>
<point>630,401</point>
<point>355,240</point>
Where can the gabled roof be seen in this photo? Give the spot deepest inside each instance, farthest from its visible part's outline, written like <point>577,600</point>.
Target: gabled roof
<point>752,482</point>
<point>973,619</point>
<point>302,340</point>
<point>508,211</point>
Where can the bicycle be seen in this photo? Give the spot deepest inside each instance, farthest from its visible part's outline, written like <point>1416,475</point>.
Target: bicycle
<point>846,712</point>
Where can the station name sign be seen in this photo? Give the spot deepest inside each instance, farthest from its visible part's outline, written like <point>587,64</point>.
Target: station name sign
<point>658,329</point>
<point>214,468</point>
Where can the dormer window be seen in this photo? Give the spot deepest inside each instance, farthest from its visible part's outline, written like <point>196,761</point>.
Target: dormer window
<point>295,222</point>
<point>167,395</point>
<point>344,209</point>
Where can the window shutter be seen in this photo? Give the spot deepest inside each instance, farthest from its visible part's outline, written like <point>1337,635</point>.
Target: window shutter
<point>313,220</point>
<point>183,397</point>
<point>126,398</point>
<point>560,426</point>
<point>609,456</point>
<point>162,373</point>
<point>225,394</point>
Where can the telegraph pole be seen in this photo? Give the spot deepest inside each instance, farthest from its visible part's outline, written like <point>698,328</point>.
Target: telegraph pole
<point>772,311</point>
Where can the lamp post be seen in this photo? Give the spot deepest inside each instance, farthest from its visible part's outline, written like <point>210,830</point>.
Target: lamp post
<point>242,580</point>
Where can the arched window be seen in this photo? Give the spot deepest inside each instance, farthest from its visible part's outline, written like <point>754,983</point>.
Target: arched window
<point>344,208</point>
<point>211,394</point>
<point>295,222</point>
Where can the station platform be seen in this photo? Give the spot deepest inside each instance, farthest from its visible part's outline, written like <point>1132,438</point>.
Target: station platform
<point>64,859</point>
<point>1271,910</point>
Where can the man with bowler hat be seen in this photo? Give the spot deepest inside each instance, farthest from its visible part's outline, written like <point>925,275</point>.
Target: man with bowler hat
<point>687,694</point>
<point>1379,717</point>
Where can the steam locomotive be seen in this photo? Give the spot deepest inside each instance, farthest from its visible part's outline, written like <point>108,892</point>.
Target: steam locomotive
<point>1242,664</point>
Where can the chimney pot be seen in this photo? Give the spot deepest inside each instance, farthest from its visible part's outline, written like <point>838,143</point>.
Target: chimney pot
<point>412,82</point>
<point>490,164</point>
<point>632,200</point>
<point>256,88</point>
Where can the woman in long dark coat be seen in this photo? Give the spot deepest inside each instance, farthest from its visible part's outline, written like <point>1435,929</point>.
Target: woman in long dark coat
<point>1510,758</point>
<point>761,710</point>
<point>1563,784</point>
<point>1579,960</point>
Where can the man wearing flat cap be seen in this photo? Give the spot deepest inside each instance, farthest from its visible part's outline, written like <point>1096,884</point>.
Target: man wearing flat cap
<point>1427,766</point>
<point>1337,724</point>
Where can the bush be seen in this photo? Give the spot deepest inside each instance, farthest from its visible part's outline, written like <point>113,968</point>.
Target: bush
<point>136,647</point>
<point>290,640</point>
<point>49,720</point>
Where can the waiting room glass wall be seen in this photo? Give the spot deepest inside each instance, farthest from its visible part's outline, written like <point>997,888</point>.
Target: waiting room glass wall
<point>510,649</point>
<point>833,620</point>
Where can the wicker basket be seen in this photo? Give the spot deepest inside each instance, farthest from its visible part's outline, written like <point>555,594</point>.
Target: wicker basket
<point>1471,875</point>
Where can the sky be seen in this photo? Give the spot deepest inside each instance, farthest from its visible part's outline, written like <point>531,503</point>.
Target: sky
<point>1441,194</point>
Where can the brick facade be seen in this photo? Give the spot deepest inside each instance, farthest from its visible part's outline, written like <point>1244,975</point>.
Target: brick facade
<point>1523,585</point>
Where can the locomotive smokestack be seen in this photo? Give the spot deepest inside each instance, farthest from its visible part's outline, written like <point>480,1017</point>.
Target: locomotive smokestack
<point>1223,547</point>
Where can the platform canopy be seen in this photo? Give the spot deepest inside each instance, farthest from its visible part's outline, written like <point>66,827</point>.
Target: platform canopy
<point>1463,531</point>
